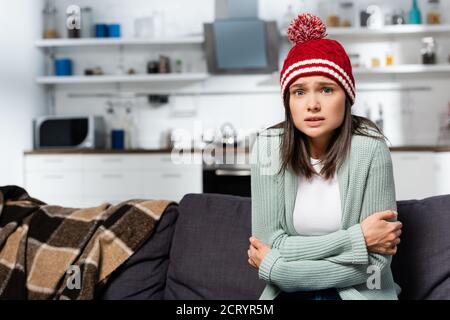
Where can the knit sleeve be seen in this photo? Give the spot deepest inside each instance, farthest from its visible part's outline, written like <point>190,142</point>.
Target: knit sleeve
<point>266,188</point>
<point>343,246</point>
<point>379,195</point>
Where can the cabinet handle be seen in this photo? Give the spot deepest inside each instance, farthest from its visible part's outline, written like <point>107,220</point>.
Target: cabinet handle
<point>54,160</point>
<point>112,176</point>
<point>115,160</point>
<point>54,176</point>
<point>238,173</point>
<point>171,175</point>
<point>410,158</point>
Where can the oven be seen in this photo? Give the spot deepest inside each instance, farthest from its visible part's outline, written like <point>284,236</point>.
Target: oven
<point>227,179</point>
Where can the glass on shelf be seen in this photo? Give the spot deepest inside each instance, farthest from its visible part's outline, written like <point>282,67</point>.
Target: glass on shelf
<point>49,17</point>
<point>347,14</point>
<point>329,13</point>
<point>87,25</point>
<point>434,12</point>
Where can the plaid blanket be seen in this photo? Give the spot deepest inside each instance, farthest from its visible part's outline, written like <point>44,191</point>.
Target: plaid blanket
<point>51,252</point>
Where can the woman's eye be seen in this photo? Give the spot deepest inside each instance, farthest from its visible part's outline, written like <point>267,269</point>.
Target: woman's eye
<point>327,90</point>
<point>298,93</point>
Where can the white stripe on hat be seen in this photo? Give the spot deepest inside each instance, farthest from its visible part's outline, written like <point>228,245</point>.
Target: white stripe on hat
<point>320,69</point>
<point>317,61</point>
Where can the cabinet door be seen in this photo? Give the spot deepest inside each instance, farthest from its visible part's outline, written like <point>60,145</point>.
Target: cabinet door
<point>36,162</point>
<point>54,187</point>
<point>112,184</point>
<point>443,173</point>
<point>414,174</point>
<point>172,184</point>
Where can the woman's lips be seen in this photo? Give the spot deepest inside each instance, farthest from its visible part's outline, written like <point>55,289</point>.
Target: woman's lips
<point>314,123</point>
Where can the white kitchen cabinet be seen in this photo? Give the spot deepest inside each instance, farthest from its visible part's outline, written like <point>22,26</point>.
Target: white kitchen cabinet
<point>414,174</point>
<point>116,184</point>
<point>87,180</point>
<point>173,184</point>
<point>443,173</point>
<point>53,163</point>
<point>54,179</point>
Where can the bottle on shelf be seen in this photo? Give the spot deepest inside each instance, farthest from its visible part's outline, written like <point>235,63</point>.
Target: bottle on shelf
<point>415,16</point>
<point>389,59</point>
<point>380,121</point>
<point>287,18</point>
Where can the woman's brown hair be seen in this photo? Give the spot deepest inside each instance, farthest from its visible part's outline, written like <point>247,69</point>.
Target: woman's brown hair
<point>295,151</point>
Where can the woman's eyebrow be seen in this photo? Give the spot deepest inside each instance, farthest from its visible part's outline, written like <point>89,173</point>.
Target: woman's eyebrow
<point>326,84</point>
<point>298,85</point>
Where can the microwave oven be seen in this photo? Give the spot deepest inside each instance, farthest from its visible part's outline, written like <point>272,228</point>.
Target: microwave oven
<point>69,132</point>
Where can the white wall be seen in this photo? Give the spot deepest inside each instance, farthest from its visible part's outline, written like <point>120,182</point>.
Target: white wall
<point>20,98</point>
<point>411,116</point>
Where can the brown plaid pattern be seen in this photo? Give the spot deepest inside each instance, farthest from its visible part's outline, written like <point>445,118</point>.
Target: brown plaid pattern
<point>40,244</point>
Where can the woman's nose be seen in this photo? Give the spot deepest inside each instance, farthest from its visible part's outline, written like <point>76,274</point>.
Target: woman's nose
<point>314,106</point>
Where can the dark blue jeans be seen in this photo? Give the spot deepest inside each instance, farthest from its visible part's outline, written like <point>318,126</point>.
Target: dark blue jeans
<point>328,294</point>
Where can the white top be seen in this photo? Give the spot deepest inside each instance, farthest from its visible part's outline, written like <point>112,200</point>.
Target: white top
<point>317,209</point>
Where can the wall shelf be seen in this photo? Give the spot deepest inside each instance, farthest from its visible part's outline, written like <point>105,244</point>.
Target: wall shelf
<point>390,30</point>
<point>159,78</point>
<point>403,69</point>
<point>386,31</point>
<point>87,42</point>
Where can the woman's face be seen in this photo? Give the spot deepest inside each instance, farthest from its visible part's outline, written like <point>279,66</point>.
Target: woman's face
<point>317,105</point>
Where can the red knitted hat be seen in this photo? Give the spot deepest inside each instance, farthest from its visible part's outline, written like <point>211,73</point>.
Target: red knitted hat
<point>312,54</point>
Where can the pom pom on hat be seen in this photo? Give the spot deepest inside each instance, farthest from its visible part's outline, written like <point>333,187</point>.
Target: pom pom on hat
<point>306,27</point>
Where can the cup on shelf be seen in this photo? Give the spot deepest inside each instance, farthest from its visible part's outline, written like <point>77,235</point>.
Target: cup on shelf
<point>114,30</point>
<point>101,30</point>
<point>118,139</point>
<point>63,67</point>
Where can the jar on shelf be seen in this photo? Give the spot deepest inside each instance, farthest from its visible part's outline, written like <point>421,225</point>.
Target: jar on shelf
<point>355,60</point>
<point>347,14</point>
<point>49,16</point>
<point>434,15</point>
<point>330,10</point>
<point>398,17</point>
<point>428,51</point>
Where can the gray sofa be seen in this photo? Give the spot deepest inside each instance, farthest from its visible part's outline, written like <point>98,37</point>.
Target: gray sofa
<point>199,251</point>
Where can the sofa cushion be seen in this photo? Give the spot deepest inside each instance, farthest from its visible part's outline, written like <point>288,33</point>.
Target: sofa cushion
<point>208,258</point>
<point>422,264</point>
<point>143,276</point>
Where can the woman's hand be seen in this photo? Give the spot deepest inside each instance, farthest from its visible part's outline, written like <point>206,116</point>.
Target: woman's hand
<point>256,252</point>
<point>382,236</point>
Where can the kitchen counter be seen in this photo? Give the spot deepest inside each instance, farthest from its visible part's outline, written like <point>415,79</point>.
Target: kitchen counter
<point>421,149</point>
<point>118,152</point>
<point>239,150</point>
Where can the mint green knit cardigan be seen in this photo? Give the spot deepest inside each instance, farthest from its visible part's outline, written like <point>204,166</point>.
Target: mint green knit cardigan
<point>337,260</point>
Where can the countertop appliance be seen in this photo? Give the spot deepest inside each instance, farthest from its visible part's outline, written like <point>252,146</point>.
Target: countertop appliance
<point>77,132</point>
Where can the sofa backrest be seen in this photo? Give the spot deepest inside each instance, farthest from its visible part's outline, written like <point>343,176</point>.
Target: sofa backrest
<point>422,264</point>
<point>208,258</point>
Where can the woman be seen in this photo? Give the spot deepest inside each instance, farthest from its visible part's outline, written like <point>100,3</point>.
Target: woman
<point>323,197</point>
